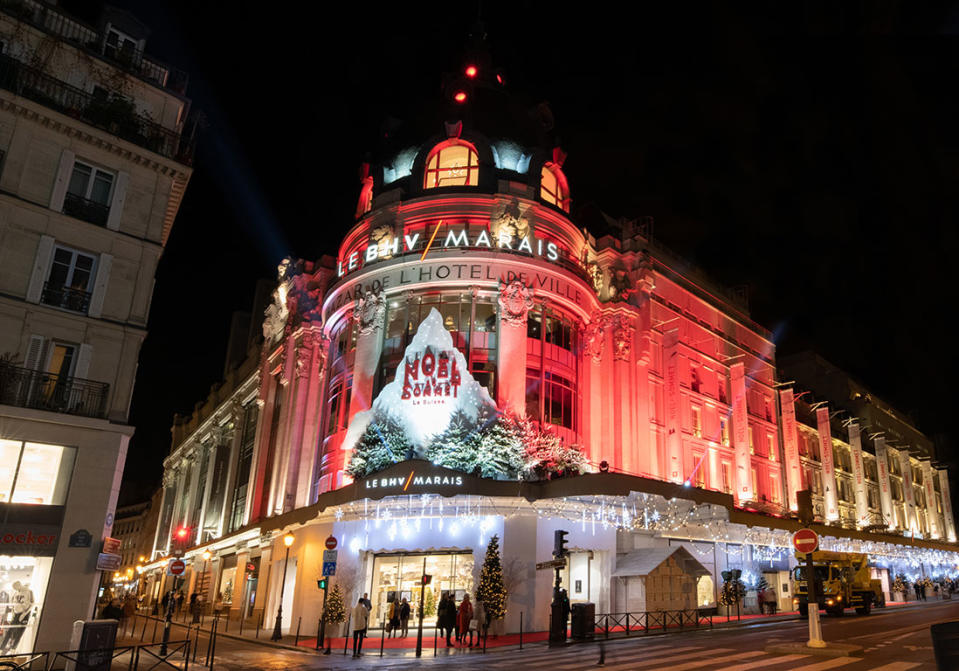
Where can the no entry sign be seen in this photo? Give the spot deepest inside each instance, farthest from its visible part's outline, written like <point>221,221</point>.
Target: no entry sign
<point>176,567</point>
<point>805,540</point>
<point>331,543</point>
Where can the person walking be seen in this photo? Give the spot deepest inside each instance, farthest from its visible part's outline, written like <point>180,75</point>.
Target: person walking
<point>769,596</point>
<point>360,617</point>
<point>366,602</point>
<point>479,622</point>
<point>463,617</point>
<point>446,617</point>
<point>404,618</point>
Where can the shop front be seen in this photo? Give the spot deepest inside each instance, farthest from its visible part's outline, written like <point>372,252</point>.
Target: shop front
<point>397,576</point>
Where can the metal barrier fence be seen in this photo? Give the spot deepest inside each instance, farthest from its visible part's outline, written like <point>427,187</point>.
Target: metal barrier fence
<point>646,621</point>
<point>130,657</point>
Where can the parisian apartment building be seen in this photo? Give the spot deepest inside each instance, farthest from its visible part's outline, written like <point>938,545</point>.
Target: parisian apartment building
<point>94,163</point>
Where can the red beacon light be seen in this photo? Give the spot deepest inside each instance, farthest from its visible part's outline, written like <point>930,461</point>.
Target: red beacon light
<point>471,71</point>
<point>460,96</point>
<point>181,533</point>
<point>499,78</point>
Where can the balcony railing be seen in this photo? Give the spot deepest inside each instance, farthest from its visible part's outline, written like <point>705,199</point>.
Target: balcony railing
<point>85,209</point>
<point>112,114</point>
<point>53,20</point>
<point>64,297</point>
<point>57,393</point>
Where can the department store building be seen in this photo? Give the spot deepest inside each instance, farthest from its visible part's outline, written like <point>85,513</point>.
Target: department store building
<point>463,256</point>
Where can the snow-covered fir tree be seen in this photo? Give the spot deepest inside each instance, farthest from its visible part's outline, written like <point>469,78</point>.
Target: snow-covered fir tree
<point>382,444</point>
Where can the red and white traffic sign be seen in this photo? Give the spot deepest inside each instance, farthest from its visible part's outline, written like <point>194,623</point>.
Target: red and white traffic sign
<point>805,541</point>
<point>331,543</point>
<point>176,567</point>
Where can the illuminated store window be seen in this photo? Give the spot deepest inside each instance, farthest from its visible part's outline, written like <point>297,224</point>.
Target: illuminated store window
<point>397,576</point>
<point>23,586</point>
<point>244,466</point>
<point>727,469</point>
<point>34,472</point>
<point>771,443</point>
<point>553,187</point>
<point>696,417</point>
<point>724,431</point>
<point>452,163</point>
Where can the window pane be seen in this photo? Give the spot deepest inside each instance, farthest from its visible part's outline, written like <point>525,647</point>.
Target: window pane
<point>9,455</point>
<point>44,474</point>
<point>80,180</point>
<point>101,188</point>
<point>60,270</point>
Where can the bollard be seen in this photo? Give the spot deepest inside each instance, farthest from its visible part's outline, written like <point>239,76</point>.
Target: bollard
<point>296,639</point>
<point>196,643</point>
<point>153,636</point>
<point>213,640</point>
<point>209,644</point>
<point>435,631</point>
<point>143,633</point>
<point>606,626</point>
<point>259,625</point>
<point>318,623</point>
<point>346,639</point>
<point>520,631</point>
<point>382,638</point>
<point>485,635</point>
<point>241,621</point>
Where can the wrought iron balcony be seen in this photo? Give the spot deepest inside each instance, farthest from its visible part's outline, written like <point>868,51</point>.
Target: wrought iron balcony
<point>87,210</point>
<point>60,296</point>
<point>114,114</point>
<point>36,389</point>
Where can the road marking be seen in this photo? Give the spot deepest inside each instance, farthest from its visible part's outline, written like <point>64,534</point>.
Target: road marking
<point>574,660</point>
<point>897,666</point>
<point>771,661</point>
<point>656,661</point>
<point>828,664</point>
<point>709,662</point>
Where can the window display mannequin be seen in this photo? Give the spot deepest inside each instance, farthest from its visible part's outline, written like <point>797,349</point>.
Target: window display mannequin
<point>21,603</point>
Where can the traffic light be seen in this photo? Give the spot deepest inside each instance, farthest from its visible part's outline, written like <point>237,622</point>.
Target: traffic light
<point>322,583</point>
<point>180,541</point>
<point>427,578</point>
<point>559,543</point>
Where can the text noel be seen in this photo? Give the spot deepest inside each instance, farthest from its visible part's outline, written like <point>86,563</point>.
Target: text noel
<point>532,245</point>
<point>433,374</point>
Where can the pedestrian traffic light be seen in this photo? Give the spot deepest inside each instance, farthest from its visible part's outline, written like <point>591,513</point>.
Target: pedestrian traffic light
<point>322,583</point>
<point>427,578</point>
<point>559,543</point>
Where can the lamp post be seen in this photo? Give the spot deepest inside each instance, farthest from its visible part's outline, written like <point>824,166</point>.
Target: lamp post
<point>287,541</point>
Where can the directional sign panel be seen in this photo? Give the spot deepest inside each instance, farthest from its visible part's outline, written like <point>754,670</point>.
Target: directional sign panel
<point>553,563</point>
<point>329,568</point>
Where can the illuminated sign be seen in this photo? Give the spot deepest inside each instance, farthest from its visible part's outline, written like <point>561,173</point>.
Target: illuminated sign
<point>434,376</point>
<point>457,238</point>
<point>412,480</point>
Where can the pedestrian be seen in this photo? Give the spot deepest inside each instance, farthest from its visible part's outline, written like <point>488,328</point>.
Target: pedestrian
<point>179,601</point>
<point>446,617</point>
<point>361,616</point>
<point>480,623</point>
<point>366,602</point>
<point>130,606</point>
<point>112,611</point>
<point>218,604</point>
<point>769,596</point>
<point>404,618</point>
<point>463,617</point>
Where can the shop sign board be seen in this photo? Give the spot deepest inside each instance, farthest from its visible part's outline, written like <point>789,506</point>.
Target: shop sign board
<point>331,542</point>
<point>805,541</point>
<point>329,568</point>
<point>107,561</point>
<point>176,567</point>
<point>329,556</point>
<point>111,546</point>
<point>37,540</point>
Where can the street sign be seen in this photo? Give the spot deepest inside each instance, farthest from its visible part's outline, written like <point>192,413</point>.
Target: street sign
<point>552,563</point>
<point>111,546</point>
<point>805,541</point>
<point>329,568</point>
<point>108,562</point>
<point>176,567</point>
<point>329,556</point>
<point>331,543</point>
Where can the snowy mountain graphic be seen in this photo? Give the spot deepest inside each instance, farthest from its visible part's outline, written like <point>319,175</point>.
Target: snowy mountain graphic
<point>431,384</point>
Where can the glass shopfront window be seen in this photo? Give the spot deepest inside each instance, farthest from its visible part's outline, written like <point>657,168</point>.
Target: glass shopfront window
<point>471,323</point>
<point>397,576</point>
<point>23,585</point>
<point>34,472</point>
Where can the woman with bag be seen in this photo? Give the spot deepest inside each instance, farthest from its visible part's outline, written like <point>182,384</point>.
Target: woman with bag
<point>463,617</point>
<point>478,623</point>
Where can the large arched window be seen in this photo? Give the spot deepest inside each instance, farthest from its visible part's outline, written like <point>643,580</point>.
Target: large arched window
<point>452,163</point>
<point>553,187</point>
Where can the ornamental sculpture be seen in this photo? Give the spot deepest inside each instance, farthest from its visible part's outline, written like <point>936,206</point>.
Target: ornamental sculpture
<point>594,337</point>
<point>622,337</point>
<point>371,311</point>
<point>515,301</point>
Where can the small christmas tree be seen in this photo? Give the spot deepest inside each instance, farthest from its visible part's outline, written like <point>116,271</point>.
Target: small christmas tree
<point>762,584</point>
<point>335,612</point>
<point>429,599</point>
<point>733,590</point>
<point>491,590</point>
<point>382,444</point>
<point>900,584</point>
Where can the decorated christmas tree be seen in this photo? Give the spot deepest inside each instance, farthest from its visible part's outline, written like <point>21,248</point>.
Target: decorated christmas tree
<point>429,600</point>
<point>761,584</point>
<point>491,590</point>
<point>733,589</point>
<point>900,584</point>
<point>335,612</point>
<point>382,444</point>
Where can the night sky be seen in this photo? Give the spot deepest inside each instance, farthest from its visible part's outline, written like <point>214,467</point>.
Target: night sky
<point>806,151</point>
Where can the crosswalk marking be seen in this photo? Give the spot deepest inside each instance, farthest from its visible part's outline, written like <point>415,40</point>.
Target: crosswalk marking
<point>771,661</point>
<point>637,661</point>
<point>711,661</point>
<point>574,662</point>
<point>828,664</point>
<point>897,666</point>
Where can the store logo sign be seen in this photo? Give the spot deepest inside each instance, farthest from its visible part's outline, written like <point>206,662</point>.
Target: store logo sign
<point>413,480</point>
<point>431,377</point>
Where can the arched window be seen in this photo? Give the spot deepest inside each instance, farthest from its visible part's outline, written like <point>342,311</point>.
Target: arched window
<point>452,163</point>
<point>365,203</point>
<point>553,188</point>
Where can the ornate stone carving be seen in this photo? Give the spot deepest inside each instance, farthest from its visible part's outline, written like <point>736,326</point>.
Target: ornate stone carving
<point>515,301</point>
<point>596,276</point>
<point>594,337</point>
<point>509,224</point>
<point>620,285</point>
<point>622,337</point>
<point>274,323</point>
<point>304,356</point>
<point>371,312</point>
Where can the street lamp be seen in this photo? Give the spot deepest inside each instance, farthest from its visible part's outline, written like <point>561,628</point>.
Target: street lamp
<point>287,541</point>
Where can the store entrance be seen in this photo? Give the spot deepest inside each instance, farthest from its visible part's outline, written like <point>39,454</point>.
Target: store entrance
<point>397,576</point>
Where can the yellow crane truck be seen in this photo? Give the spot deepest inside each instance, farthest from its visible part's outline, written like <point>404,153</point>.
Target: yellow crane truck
<point>842,581</point>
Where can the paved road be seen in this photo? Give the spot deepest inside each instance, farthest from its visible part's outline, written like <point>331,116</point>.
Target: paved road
<point>894,640</point>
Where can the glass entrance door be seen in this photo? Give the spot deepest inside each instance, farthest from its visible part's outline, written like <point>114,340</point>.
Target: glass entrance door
<point>397,576</point>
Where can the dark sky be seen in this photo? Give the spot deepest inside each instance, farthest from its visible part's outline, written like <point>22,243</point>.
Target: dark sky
<point>807,151</point>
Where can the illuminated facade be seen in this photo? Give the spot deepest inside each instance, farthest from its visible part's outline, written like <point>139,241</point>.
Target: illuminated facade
<point>464,279</point>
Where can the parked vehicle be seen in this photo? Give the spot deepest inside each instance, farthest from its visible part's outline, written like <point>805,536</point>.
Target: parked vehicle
<point>842,581</point>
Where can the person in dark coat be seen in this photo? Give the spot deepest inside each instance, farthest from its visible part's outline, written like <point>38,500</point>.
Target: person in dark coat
<point>446,617</point>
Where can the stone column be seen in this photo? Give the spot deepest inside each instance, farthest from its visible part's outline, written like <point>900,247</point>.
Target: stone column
<point>622,327</point>
<point>950,530</point>
<point>594,344</point>
<point>515,301</point>
<point>932,514</point>
<point>312,419</point>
